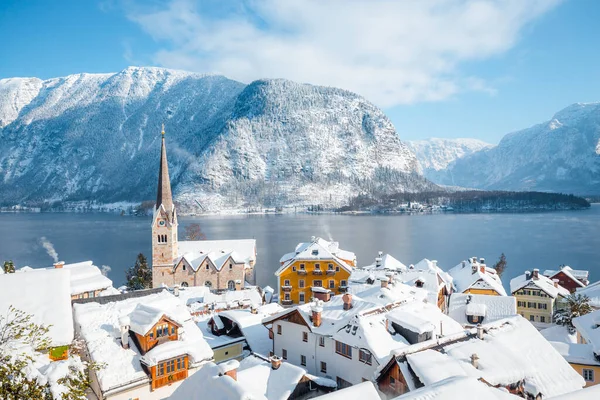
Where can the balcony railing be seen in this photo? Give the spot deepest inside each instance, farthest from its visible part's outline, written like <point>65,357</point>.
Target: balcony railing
<point>286,302</point>
<point>286,288</point>
<point>317,272</point>
<point>343,289</point>
<point>301,272</point>
<point>330,272</point>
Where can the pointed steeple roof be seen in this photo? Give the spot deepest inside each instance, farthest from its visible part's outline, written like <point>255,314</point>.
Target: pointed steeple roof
<point>163,195</point>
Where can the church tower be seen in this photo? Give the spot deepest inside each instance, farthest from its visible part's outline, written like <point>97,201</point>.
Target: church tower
<point>164,225</point>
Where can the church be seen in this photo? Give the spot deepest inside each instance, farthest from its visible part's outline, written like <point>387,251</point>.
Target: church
<point>218,264</point>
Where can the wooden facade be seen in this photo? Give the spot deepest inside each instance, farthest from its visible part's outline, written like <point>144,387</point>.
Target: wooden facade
<point>391,381</point>
<point>156,335</point>
<point>169,371</point>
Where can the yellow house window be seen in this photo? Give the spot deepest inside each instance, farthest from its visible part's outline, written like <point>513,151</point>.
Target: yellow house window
<point>588,375</point>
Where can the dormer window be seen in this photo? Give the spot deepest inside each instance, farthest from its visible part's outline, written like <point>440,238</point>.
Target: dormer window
<point>419,283</point>
<point>230,266</point>
<point>315,252</point>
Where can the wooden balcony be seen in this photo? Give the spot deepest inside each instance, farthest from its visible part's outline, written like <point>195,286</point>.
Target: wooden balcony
<point>169,379</point>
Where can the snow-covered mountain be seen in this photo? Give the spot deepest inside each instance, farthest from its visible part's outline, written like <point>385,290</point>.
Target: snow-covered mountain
<point>435,154</point>
<point>273,142</point>
<point>561,155</point>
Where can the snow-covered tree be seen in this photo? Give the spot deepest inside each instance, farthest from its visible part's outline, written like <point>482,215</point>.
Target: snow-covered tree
<point>577,305</point>
<point>8,267</point>
<point>140,275</point>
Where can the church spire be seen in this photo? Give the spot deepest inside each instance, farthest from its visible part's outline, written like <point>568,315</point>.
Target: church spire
<point>163,195</point>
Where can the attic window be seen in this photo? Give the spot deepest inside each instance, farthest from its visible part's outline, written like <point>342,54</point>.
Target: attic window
<point>419,284</point>
<point>230,266</point>
<point>315,252</point>
<point>330,267</point>
<point>184,267</point>
<point>207,267</point>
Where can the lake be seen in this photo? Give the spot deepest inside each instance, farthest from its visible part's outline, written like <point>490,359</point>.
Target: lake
<point>539,240</point>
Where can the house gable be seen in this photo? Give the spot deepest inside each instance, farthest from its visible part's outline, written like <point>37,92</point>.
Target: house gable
<point>163,331</point>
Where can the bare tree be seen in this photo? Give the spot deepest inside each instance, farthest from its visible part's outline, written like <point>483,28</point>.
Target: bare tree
<point>194,232</point>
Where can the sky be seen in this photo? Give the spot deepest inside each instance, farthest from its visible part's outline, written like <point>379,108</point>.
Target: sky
<point>438,68</point>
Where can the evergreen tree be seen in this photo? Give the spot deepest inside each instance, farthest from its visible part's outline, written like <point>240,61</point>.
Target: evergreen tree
<point>9,267</point>
<point>500,266</point>
<point>577,305</point>
<point>140,275</point>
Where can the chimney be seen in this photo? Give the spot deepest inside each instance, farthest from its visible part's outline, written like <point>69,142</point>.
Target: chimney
<point>475,360</point>
<point>527,275</point>
<point>124,324</point>
<point>316,308</point>
<point>434,263</point>
<point>384,282</point>
<point>312,239</point>
<point>176,290</point>
<point>230,368</point>
<point>482,260</point>
<point>59,264</point>
<point>479,331</point>
<point>347,299</point>
<point>473,268</point>
<point>464,263</point>
<point>555,282</point>
<point>378,261</point>
<point>275,362</point>
<point>536,273</point>
<point>482,268</point>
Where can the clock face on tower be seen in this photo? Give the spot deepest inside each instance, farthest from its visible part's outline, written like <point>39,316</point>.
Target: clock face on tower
<point>161,222</point>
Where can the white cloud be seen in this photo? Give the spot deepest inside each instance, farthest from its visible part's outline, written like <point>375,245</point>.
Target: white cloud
<point>390,51</point>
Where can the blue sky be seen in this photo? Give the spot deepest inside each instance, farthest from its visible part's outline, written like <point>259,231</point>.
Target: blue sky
<point>447,68</point>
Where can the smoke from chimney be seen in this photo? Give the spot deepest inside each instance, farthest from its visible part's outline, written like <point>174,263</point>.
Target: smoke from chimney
<point>46,244</point>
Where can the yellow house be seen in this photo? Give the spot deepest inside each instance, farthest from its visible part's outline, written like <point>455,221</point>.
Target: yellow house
<point>314,269</point>
<point>537,296</point>
<point>474,277</point>
<point>584,356</point>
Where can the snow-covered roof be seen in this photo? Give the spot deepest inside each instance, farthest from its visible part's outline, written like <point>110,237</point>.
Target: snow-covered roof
<point>513,350</point>
<point>559,333</point>
<point>387,262</point>
<point>542,282</point>
<point>197,297</point>
<point>318,249</point>
<point>492,308</point>
<point>257,377</point>
<point>432,366</point>
<point>592,291</point>
<point>363,391</point>
<point>243,250</point>
<point>191,343</point>
<point>578,275</point>
<point>410,321</point>
<point>588,393</point>
<point>468,387</point>
<point>46,295</point>
<point>100,329</point>
<point>218,259</point>
<point>472,274</point>
<point>443,325</point>
<point>144,317</point>
<point>394,292</point>
<point>428,272</point>
<point>577,353</point>
<point>255,333</point>
<point>84,277</point>
<point>588,326</point>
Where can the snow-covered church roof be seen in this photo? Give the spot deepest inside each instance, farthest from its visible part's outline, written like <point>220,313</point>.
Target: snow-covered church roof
<point>243,250</point>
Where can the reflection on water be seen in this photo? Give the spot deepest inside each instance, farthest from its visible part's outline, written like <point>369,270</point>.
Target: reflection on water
<point>544,240</point>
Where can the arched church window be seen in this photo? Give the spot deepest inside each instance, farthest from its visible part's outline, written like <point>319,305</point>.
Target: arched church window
<point>231,285</point>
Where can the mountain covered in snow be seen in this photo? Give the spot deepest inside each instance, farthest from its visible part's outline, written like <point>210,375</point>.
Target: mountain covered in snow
<point>560,155</point>
<point>96,137</point>
<point>435,154</point>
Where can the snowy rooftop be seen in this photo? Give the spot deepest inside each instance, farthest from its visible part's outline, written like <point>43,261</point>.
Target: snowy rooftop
<point>588,393</point>
<point>196,297</point>
<point>410,321</point>
<point>577,353</point>
<point>588,327</point>
<point>362,391</point>
<point>46,295</point>
<point>387,262</point>
<point>245,249</point>
<point>218,259</point>
<point>542,282</point>
<point>255,333</point>
<point>592,292</point>
<point>512,350</point>
<point>394,292</point>
<point>428,272</point>
<point>443,324</point>
<point>144,317</point>
<point>318,249</point>
<point>447,389</point>
<point>576,274</point>
<point>492,308</point>
<point>85,277</point>
<point>100,328</point>
<point>472,274</point>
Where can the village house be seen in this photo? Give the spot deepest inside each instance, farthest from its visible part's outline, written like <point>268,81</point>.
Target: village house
<point>475,277</point>
<point>469,310</point>
<point>509,354</point>
<point>233,334</point>
<point>220,264</point>
<point>592,292</point>
<point>346,338</point>
<point>426,274</point>
<point>584,356</point>
<point>569,278</point>
<point>86,279</point>
<point>254,378</point>
<point>537,296</point>
<point>44,297</point>
<point>315,269</point>
<point>147,342</point>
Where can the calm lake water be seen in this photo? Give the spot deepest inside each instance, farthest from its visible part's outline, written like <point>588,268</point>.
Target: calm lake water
<point>544,240</point>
